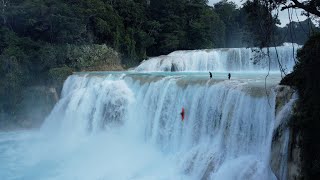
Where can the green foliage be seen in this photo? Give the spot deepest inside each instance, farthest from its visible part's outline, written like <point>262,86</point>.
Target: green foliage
<point>261,24</point>
<point>202,28</point>
<point>48,20</point>
<point>298,32</point>
<point>307,116</point>
<point>24,62</point>
<point>14,67</point>
<point>85,56</point>
<point>185,25</point>
<point>234,23</point>
<point>11,82</point>
<point>58,75</point>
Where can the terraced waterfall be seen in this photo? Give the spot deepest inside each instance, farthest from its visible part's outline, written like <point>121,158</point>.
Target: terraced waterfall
<point>127,125</point>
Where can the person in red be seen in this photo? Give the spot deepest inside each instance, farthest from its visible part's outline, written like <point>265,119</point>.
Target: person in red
<point>182,114</point>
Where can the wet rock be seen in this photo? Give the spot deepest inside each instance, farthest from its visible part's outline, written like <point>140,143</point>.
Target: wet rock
<point>285,152</point>
<point>174,67</point>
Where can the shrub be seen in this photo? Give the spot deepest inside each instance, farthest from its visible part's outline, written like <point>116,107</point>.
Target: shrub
<point>58,75</point>
<point>88,56</point>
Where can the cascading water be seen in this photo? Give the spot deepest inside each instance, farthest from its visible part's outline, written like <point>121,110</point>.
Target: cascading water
<point>282,143</point>
<point>127,125</point>
<point>221,60</point>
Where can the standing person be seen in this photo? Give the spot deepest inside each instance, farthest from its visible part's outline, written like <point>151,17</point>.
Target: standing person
<point>229,76</point>
<point>210,75</point>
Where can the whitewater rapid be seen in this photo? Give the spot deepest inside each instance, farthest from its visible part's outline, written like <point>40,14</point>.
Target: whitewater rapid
<point>127,125</point>
<point>225,60</point>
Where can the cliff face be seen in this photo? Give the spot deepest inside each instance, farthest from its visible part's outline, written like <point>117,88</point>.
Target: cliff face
<point>285,150</point>
<point>36,104</point>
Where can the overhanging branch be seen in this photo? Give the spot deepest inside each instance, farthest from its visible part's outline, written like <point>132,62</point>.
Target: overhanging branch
<point>309,7</point>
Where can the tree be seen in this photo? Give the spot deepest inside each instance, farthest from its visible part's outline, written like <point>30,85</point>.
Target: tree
<point>185,24</point>
<point>230,16</point>
<point>171,15</point>
<point>3,5</point>
<point>203,26</point>
<point>136,23</point>
<point>298,32</point>
<point>50,21</point>
<point>310,6</point>
<point>261,25</point>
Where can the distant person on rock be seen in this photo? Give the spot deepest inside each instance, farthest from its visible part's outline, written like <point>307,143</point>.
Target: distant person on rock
<point>229,76</point>
<point>210,75</point>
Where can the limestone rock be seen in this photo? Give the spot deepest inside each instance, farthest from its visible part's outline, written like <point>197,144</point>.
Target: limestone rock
<point>285,152</point>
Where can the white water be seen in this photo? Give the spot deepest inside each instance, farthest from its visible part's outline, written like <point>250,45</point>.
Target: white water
<point>282,120</point>
<point>222,60</point>
<point>128,126</point>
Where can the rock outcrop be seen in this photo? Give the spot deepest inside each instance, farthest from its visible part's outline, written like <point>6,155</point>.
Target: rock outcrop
<point>285,150</point>
<point>36,105</point>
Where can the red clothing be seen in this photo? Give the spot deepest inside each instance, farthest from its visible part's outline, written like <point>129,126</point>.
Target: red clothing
<point>182,114</point>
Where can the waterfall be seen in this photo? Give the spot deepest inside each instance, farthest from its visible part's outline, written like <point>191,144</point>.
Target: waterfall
<point>282,132</point>
<point>127,125</point>
<point>221,60</point>
<point>226,133</point>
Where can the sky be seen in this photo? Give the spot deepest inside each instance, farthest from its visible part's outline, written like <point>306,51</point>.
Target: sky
<point>283,15</point>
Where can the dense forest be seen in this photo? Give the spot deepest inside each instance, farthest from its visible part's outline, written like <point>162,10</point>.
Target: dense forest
<point>43,41</point>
